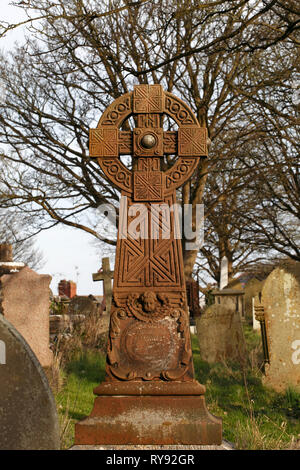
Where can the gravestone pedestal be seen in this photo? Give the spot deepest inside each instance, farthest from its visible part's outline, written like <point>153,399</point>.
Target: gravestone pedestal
<point>150,395</point>
<point>150,413</point>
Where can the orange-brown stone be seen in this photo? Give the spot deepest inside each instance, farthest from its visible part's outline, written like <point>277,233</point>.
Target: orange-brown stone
<point>160,420</point>
<point>150,395</point>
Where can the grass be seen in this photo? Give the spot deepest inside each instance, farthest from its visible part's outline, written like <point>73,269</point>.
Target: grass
<point>75,401</point>
<point>254,417</point>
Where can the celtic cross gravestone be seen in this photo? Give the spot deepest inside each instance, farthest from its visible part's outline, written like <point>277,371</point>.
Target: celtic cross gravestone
<point>150,395</point>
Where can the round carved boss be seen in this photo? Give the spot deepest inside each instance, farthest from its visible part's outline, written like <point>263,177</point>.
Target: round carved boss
<point>108,135</point>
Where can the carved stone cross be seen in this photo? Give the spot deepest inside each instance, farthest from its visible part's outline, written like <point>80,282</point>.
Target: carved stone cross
<point>105,275</point>
<point>224,273</point>
<point>149,369</point>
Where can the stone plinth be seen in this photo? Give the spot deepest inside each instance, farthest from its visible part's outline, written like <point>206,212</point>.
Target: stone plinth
<point>24,301</point>
<point>149,413</point>
<point>219,329</point>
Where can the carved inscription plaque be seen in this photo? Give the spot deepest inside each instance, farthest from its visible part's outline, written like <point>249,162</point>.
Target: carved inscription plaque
<point>150,347</point>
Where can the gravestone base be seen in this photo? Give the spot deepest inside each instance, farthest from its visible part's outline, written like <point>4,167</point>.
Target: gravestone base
<point>150,414</point>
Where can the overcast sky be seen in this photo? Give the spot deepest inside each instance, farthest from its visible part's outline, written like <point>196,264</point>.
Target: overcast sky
<point>68,252</point>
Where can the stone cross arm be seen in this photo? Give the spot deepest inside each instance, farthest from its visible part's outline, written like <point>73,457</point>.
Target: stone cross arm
<point>105,274</point>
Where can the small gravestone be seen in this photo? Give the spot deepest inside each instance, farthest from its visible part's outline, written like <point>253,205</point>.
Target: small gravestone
<point>219,329</point>
<point>278,310</point>
<point>28,417</point>
<point>25,302</point>
<point>84,305</point>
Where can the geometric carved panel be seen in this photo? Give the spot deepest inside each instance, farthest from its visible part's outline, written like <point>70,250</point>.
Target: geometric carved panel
<point>192,142</point>
<point>148,99</point>
<point>148,185</point>
<point>104,142</point>
<point>140,265</point>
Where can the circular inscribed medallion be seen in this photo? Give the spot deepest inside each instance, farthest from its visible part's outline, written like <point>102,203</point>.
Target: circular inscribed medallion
<point>150,346</point>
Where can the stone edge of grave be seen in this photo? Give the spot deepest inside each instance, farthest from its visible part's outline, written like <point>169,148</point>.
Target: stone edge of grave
<point>41,375</point>
<point>14,332</point>
<point>226,445</point>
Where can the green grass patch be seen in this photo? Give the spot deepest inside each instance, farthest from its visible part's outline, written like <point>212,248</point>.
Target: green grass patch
<point>254,417</point>
<point>75,401</point>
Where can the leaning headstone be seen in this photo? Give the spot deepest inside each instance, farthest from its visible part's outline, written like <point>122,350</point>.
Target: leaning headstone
<point>219,329</point>
<point>28,416</point>
<point>24,301</point>
<point>278,310</point>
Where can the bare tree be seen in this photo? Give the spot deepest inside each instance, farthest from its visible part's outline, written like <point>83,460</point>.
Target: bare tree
<point>12,231</point>
<point>219,57</point>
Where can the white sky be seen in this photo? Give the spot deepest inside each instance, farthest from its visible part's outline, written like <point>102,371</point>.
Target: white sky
<point>68,252</point>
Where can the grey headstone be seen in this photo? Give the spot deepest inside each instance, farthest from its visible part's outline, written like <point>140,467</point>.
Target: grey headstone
<point>280,299</point>
<point>28,416</point>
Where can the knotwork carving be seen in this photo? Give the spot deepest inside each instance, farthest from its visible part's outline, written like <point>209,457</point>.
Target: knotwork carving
<point>192,141</point>
<point>104,142</point>
<point>179,111</point>
<point>117,112</point>
<point>180,172</point>
<point>117,173</point>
